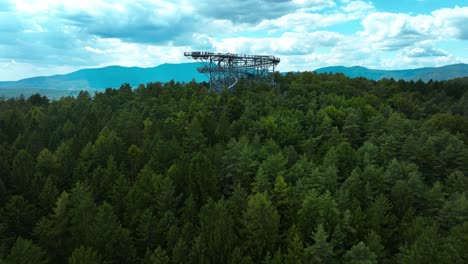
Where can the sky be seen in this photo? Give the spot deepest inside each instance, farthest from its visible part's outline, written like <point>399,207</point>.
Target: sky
<point>46,37</point>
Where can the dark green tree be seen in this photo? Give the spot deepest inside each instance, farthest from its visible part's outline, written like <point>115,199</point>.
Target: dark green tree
<point>26,252</point>
<point>360,254</point>
<point>54,231</point>
<point>18,218</point>
<point>109,238</point>
<point>315,210</point>
<point>158,256</point>
<point>217,236</point>
<point>321,251</point>
<point>261,223</point>
<point>429,247</point>
<point>22,173</point>
<point>239,163</point>
<point>85,255</point>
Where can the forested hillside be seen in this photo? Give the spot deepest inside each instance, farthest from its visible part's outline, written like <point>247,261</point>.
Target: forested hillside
<point>319,169</point>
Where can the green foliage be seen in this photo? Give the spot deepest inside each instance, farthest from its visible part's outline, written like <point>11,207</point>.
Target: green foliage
<point>429,247</point>
<point>84,255</point>
<point>134,157</point>
<point>321,251</point>
<point>239,164</point>
<point>318,169</point>
<point>82,211</point>
<point>158,256</point>
<point>25,252</point>
<point>295,247</point>
<point>359,254</point>
<point>318,210</point>
<point>203,181</point>
<point>217,236</point>
<point>109,238</point>
<point>48,195</point>
<point>261,223</point>
<point>54,231</point>
<point>18,218</point>
<point>22,173</point>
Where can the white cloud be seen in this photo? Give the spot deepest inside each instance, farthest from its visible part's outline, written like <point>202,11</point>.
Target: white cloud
<point>289,43</point>
<point>13,70</point>
<point>452,22</point>
<point>254,11</point>
<point>418,52</point>
<point>53,35</point>
<point>303,20</point>
<point>389,31</point>
<point>358,7</point>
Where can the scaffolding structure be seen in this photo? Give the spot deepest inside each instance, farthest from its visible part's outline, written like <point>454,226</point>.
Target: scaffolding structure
<point>225,69</point>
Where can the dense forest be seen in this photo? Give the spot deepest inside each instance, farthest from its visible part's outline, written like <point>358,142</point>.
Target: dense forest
<point>320,168</point>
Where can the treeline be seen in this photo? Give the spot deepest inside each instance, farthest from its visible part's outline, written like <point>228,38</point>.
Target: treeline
<point>318,169</point>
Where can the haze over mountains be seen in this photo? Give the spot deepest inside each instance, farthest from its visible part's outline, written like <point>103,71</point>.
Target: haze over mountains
<point>429,73</point>
<point>113,76</point>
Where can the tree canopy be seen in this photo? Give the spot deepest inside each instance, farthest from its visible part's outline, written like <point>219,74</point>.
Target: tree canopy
<point>320,168</point>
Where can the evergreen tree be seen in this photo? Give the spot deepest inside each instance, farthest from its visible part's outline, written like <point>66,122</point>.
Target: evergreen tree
<point>318,209</point>
<point>321,251</point>
<point>320,168</point>
<point>22,173</point>
<point>26,252</point>
<point>82,212</point>
<point>84,255</point>
<point>261,223</point>
<point>239,163</point>
<point>158,256</point>
<point>134,158</point>
<point>295,247</point>
<point>217,234</point>
<point>429,247</point>
<point>359,254</point>
<point>48,195</point>
<point>109,238</point>
<point>18,219</point>
<point>54,231</point>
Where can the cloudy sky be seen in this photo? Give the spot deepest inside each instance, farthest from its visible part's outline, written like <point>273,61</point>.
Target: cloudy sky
<point>45,37</point>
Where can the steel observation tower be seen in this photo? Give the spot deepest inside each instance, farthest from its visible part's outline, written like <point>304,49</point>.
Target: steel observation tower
<point>225,69</point>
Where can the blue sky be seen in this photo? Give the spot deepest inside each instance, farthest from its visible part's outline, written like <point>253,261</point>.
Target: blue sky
<point>45,37</point>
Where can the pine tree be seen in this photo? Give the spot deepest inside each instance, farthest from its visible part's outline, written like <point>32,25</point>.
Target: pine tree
<point>48,195</point>
<point>158,256</point>
<point>261,223</point>
<point>109,238</point>
<point>82,212</point>
<point>321,251</point>
<point>85,255</point>
<point>134,157</point>
<point>18,217</point>
<point>282,199</point>
<point>54,231</point>
<point>360,254</point>
<point>295,247</point>
<point>145,234</point>
<point>217,234</point>
<point>22,173</point>
<point>239,163</point>
<point>429,247</point>
<point>317,209</point>
<point>26,252</point>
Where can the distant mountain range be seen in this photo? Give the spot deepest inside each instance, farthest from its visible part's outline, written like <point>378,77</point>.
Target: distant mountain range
<point>431,73</point>
<point>113,76</point>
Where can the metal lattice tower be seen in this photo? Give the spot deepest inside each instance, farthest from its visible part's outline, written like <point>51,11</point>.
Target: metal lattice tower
<point>225,69</point>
